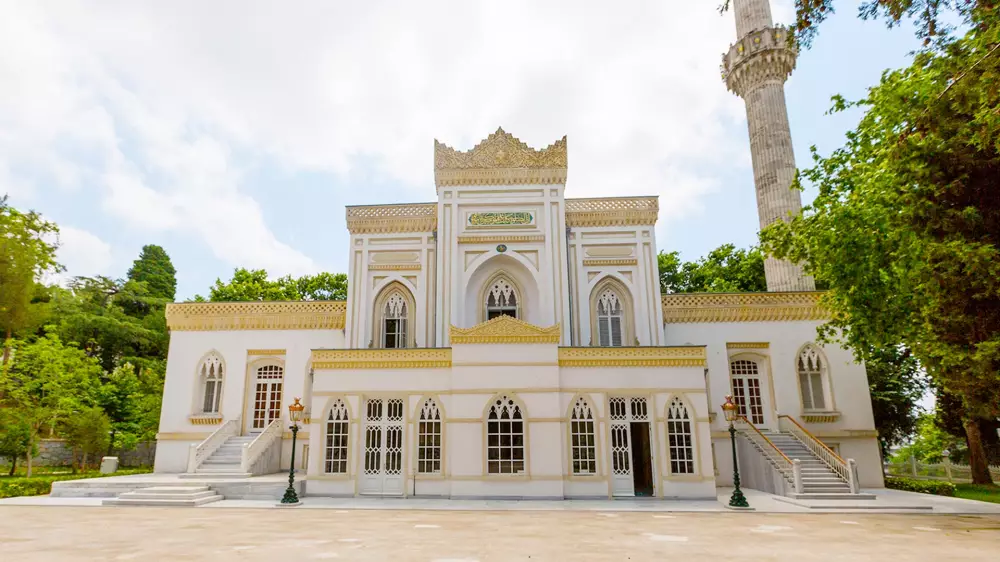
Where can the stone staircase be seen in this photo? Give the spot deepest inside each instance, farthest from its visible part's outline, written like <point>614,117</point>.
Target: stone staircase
<point>224,462</point>
<point>819,481</point>
<point>170,496</point>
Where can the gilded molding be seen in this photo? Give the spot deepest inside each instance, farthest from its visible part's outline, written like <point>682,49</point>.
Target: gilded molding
<point>504,329</point>
<point>384,219</point>
<point>611,262</point>
<point>612,211</point>
<point>395,267</point>
<point>222,316</point>
<point>632,356</point>
<point>821,417</point>
<point>411,358</point>
<point>748,345</point>
<point>501,239</point>
<point>178,436</point>
<point>681,308</point>
<point>500,159</point>
<point>205,419</point>
<point>265,352</point>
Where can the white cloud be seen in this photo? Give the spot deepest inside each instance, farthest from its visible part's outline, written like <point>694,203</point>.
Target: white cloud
<point>155,101</point>
<point>82,254</point>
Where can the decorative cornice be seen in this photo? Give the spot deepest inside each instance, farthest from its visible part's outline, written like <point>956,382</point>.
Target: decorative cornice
<point>385,219</point>
<point>760,57</point>
<point>265,352</point>
<point>821,417</point>
<point>222,316</point>
<point>395,267</point>
<point>748,345</point>
<point>413,358</point>
<point>501,239</point>
<point>631,356</point>
<point>681,308</point>
<point>614,262</point>
<point>612,211</point>
<point>500,159</point>
<point>504,329</point>
<point>205,419</point>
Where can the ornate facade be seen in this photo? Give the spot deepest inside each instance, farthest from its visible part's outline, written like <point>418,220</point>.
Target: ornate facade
<point>503,341</point>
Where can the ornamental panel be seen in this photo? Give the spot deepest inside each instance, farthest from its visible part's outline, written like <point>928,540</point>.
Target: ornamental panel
<point>293,315</point>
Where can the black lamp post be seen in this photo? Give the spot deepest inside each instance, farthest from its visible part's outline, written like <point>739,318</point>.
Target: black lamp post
<point>295,413</point>
<point>738,499</point>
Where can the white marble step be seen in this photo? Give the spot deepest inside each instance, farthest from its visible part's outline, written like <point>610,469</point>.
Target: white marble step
<point>176,496</point>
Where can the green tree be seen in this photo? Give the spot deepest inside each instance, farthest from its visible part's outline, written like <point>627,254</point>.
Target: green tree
<point>906,226</point>
<point>87,431</point>
<point>27,252</point>
<point>896,383</point>
<point>119,397</point>
<point>253,285</point>
<point>929,443</point>
<point>725,269</point>
<point>47,381</point>
<point>15,438</point>
<point>154,268</point>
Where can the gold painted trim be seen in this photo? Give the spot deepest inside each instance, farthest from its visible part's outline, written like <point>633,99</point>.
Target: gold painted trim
<point>180,436</point>
<point>632,357</point>
<point>386,219</point>
<point>501,238</point>
<point>616,390</point>
<point>611,262</point>
<point>826,417</point>
<point>205,420</point>
<point>302,435</point>
<point>266,352</point>
<point>416,358</point>
<point>612,211</point>
<point>748,345</point>
<point>505,364</point>
<point>500,159</point>
<point>395,267</point>
<point>742,307</point>
<point>504,329</point>
<point>222,316</point>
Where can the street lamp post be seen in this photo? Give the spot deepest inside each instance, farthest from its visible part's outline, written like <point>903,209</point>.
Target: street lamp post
<point>295,413</point>
<point>738,500</point>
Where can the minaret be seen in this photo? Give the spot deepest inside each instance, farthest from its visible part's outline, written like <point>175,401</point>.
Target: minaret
<point>755,68</point>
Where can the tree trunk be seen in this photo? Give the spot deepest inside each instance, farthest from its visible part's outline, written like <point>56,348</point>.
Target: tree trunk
<point>84,462</point>
<point>27,456</point>
<point>13,466</point>
<point>977,455</point>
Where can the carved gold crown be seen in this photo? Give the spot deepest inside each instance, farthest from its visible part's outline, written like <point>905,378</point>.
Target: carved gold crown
<point>500,159</point>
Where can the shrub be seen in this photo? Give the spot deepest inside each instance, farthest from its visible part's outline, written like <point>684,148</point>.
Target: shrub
<point>935,487</point>
<point>41,485</point>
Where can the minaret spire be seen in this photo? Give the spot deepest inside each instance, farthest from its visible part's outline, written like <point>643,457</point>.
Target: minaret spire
<point>755,68</point>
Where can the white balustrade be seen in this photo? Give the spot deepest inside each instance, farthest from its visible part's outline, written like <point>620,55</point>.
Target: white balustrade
<point>818,448</point>
<point>266,447</point>
<point>198,452</point>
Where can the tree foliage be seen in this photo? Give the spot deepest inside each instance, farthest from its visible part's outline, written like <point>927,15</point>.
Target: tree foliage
<point>253,285</point>
<point>154,268</point>
<point>906,226</point>
<point>725,269</point>
<point>896,383</point>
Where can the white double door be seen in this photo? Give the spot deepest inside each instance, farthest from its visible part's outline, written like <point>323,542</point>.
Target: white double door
<point>383,454</point>
<point>624,412</point>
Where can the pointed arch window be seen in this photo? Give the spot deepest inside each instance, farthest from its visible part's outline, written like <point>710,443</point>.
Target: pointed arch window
<point>504,437</point>
<point>610,316</point>
<point>812,374</point>
<point>501,299</point>
<point>429,438</point>
<point>679,438</point>
<point>211,374</point>
<point>583,448</point>
<point>394,321</point>
<point>337,424</point>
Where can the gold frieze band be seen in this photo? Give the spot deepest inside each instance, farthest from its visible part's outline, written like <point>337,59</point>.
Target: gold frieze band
<point>747,345</point>
<point>223,316</point>
<point>610,262</point>
<point>504,329</point>
<point>265,352</point>
<point>612,211</point>
<point>501,239</point>
<point>415,358</point>
<point>693,356</point>
<point>681,308</point>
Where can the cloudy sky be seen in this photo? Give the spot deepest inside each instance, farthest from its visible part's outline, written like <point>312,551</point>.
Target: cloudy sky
<point>234,132</point>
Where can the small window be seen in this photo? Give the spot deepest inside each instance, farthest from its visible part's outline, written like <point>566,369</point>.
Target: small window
<point>429,438</point>
<point>211,380</point>
<point>583,450</point>
<point>609,319</point>
<point>811,370</point>
<point>505,437</point>
<point>336,439</point>
<point>679,438</point>
<point>501,300</point>
<point>394,318</point>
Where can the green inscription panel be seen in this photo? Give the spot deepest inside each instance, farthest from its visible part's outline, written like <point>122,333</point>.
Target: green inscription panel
<point>501,219</point>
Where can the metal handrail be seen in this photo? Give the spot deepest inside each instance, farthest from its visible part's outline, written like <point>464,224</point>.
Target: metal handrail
<point>846,469</point>
<point>794,466</point>
<point>768,441</point>
<point>813,437</point>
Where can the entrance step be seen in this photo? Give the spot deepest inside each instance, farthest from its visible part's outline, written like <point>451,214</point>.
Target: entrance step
<point>175,496</point>
<point>212,475</point>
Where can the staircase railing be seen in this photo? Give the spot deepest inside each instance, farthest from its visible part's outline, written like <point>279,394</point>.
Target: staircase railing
<point>847,470</point>
<point>198,452</point>
<point>262,455</point>
<point>790,469</point>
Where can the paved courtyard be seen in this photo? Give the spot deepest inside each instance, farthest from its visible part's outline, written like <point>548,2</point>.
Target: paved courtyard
<point>137,533</point>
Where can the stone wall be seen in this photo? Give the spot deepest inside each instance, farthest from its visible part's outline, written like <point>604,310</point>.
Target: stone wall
<point>56,452</point>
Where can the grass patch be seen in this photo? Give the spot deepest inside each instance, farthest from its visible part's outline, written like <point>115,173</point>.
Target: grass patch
<point>16,486</point>
<point>979,492</point>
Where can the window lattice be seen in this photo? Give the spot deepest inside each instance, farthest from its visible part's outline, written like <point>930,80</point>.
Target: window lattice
<point>582,438</point>
<point>429,438</point>
<point>267,395</point>
<point>337,425</point>
<point>609,319</point>
<point>746,390</point>
<point>811,378</point>
<point>394,319</point>
<point>211,372</point>
<point>501,300</point>
<point>505,437</point>
<point>679,438</point>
